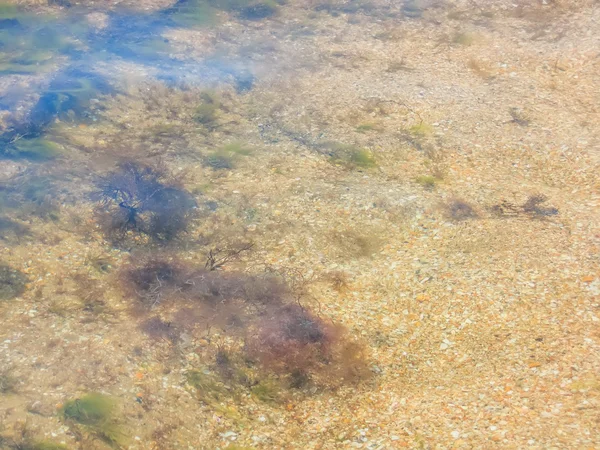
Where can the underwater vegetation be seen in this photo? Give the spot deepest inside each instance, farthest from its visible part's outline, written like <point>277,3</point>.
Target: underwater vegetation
<point>226,156</point>
<point>219,160</point>
<point>30,44</point>
<point>8,382</point>
<point>519,117</point>
<point>153,280</point>
<point>29,444</point>
<point>356,244</point>
<point>367,127</point>
<point>279,335</point>
<point>532,207</point>
<point>34,43</point>
<point>68,98</point>
<point>267,391</point>
<point>336,8</point>
<point>30,148</point>
<point>12,282</point>
<point>208,111</point>
<point>413,8</point>
<point>350,156</point>
<point>69,95</point>
<point>33,193</point>
<point>291,340</point>
<point>427,181</point>
<point>463,38</point>
<point>221,255</point>
<point>459,210</point>
<point>20,436</point>
<point>143,199</point>
<point>421,129</point>
<point>43,445</point>
<point>257,10</point>
<point>158,329</point>
<point>231,377</point>
<point>99,262</point>
<point>10,229</point>
<point>247,9</point>
<point>190,13</point>
<point>97,414</point>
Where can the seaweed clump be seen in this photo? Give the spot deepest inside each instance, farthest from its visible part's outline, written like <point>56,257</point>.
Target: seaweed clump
<point>274,332</point>
<point>153,280</point>
<point>459,210</point>
<point>96,413</point>
<point>533,207</point>
<point>293,341</point>
<point>207,112</point>
<point>145,200</point>
<point>158,329</point>
<point>226,156</point>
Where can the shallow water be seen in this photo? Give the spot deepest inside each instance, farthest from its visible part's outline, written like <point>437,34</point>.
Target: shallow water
<point>304,224</point>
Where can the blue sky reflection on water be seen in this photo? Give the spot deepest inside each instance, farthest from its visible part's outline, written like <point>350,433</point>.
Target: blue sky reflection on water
<point>70,49</point>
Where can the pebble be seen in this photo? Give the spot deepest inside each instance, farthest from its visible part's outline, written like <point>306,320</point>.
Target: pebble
<point>229,435</point>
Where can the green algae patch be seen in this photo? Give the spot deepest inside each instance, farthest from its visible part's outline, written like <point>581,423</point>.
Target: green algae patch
<point>363,158</point>
<point>36,149</point>
<point>348,155</point>
<point>44,445</point>
<point>227,156</point>
<point>351,156</point>
<point>267,391</point>
<point>367,127</point>
<point>207,387</point>
<point>91,409</point>
<point>422,129</point>
<point>427,181</point>
<point>206,113</point>
<point>96,413</point>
